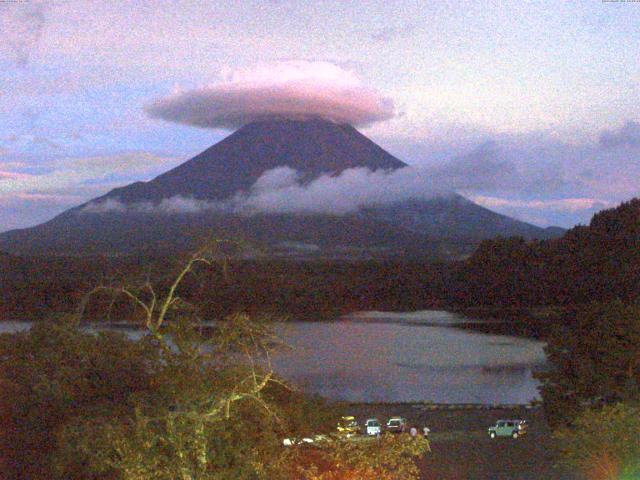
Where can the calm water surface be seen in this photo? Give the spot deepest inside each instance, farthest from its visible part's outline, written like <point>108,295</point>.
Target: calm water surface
<point>375,356</point>
<point>403,357</point>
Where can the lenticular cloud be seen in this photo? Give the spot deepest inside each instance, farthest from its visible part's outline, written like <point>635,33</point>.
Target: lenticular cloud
<point>289,90</point>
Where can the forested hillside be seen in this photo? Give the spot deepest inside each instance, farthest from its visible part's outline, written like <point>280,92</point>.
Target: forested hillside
<point>598,262</point>
<point>34,287</point>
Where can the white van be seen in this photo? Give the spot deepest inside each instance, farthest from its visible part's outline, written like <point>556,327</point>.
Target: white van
<point>373,426</point>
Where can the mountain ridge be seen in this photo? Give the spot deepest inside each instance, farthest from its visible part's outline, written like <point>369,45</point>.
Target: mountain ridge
<point>237,161</point>
<point>310,147</point>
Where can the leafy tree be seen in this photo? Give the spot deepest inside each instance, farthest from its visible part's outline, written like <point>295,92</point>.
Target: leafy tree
<point>497,272</point>
<point>388,458</point>
<point>598,262</point>
<point>603,444</point>
<point>182,402</point>
<point>594,360</point>
<point>55,372</point>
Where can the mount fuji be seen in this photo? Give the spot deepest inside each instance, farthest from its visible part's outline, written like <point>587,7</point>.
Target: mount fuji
<point>445,226</point>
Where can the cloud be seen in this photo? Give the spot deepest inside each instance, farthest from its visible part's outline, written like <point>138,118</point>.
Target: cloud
<point>292,89</point>
<point>104,206</point>
<point>388,34</point>
<point>13,176</point>
<point>627,135</point>
<point>280,191</point>
<point>28,198</point>
<point>69,174</point>
<point>565,212</point>
<point>174,205</point>
<point>21,28</point>
<point>531,177</point>
<point>570,205</point>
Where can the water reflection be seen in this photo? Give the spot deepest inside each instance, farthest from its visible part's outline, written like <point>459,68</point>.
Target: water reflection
<point>395,357</point>
<point>365,359</point>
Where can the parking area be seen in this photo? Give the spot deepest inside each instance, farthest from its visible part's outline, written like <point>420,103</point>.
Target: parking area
<point>462,449</point>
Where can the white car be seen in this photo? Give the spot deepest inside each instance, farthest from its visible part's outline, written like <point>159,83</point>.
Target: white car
<point>288,442</point>
<point>373,426</point>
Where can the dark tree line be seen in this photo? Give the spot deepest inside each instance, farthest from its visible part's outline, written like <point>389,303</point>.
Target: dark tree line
<point>594,360</point>
<point>34,287</point>
<point>599,262</point>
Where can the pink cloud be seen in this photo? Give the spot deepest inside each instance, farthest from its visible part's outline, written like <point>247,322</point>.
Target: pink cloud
<point>39,198</point>
<point>561,205</point>
<point>5,175</point>
<point>43,197</point>
<point>294,89</point>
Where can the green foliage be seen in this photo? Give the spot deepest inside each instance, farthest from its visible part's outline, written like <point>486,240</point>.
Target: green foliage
<point>173,404</point>
<point>34,287</point>
<point>599,262</point>
<point>55,372</point>
<point>603,444</point>
<point>594,360</point>
<point>389,457</point>
<point>500,272</point>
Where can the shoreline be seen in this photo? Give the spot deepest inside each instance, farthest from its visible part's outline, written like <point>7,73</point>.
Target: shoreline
<point>535,323</point>
<point>431,406</point>
<point>528,323</point>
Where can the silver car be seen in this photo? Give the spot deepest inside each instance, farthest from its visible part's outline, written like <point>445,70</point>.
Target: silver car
<point>396,425</point>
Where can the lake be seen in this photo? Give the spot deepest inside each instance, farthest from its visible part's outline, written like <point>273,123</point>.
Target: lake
<point>404,357</point>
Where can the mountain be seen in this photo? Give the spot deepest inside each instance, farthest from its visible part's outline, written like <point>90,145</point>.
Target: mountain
<point>445,227</point>
<point>454,216</point>
<point>234,164</point>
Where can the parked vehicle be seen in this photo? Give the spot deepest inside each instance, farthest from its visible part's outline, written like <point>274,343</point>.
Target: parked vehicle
<point>288,442</point>
<point>396,425</point>
<point>373,426</point>
<point>348,426</point>
<point>508,428</point>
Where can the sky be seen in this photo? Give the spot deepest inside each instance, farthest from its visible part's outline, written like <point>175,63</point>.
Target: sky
<point>533,107</point>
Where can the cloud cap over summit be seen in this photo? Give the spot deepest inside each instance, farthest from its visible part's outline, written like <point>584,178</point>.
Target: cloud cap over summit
<point>293,90</point>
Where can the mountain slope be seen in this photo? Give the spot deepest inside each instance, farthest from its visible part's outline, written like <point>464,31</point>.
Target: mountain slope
<point>453,216</point>
<point>443,227</point>
<point>311,147</point>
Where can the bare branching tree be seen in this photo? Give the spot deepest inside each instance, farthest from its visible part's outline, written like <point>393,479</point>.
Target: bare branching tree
<point>231,364</point>
<point>158,307</point>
